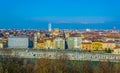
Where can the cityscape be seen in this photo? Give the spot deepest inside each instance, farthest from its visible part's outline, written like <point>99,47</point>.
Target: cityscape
<point>88,40</point>
<point>78,41</point>
<point>100,46</point>
<point>59,36</point>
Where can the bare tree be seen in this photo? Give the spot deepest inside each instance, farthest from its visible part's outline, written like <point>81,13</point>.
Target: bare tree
<point>105,67</point>
<point>86,67</point>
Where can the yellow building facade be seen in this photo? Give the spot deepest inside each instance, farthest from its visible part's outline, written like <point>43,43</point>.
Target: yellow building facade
<point>97,46</point>
<point>86,46</point>
<point>49,44</point>
<point>1,45</point>
<point>40,45</point>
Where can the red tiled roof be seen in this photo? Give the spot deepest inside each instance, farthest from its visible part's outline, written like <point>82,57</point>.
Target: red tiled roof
<point>109,42</point>
<point>117,47</point>
<point>86,42</point>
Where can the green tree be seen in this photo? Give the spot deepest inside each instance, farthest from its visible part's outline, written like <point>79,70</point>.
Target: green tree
<point>109,50</point>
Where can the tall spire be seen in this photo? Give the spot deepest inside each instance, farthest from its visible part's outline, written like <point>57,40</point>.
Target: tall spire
<point>49,27</point>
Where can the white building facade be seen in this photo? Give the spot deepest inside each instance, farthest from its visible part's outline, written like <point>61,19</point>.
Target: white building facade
<point>75,43</point>
<point>59,43</point>
<point>18,42</point>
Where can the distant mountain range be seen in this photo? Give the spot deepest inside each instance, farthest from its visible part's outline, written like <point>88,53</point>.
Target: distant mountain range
<point>44,25</point>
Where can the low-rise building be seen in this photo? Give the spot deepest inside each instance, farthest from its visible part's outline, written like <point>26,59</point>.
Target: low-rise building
<point>74,42</point>
<point>116,50</point>
<point>97,45</point>
<point>86,46</point>
<point>18,42</point>
<point>1,45</point>
<point>40,45</point>
<point>112,38</point>
<point>59,43</point>
<point>109,44</point>
<point>117,43</point>
<point>49,44</point>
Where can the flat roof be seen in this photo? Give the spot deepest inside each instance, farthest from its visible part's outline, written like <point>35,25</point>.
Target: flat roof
<point>18,37</point>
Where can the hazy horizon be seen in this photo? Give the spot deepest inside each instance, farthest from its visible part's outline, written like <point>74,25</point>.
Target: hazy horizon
<point>82,14</point>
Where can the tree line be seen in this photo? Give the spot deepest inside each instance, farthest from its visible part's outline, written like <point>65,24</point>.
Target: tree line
<point>59,65</point>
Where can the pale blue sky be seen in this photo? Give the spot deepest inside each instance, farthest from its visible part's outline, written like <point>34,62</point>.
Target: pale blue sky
<point>75,11</point>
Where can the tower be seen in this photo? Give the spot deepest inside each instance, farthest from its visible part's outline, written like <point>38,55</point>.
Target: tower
<point>35,41</point>
<point>49,27</point>
<point>114,29</point>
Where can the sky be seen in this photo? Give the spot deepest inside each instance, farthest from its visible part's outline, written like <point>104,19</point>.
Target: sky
<point>20,12</point>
